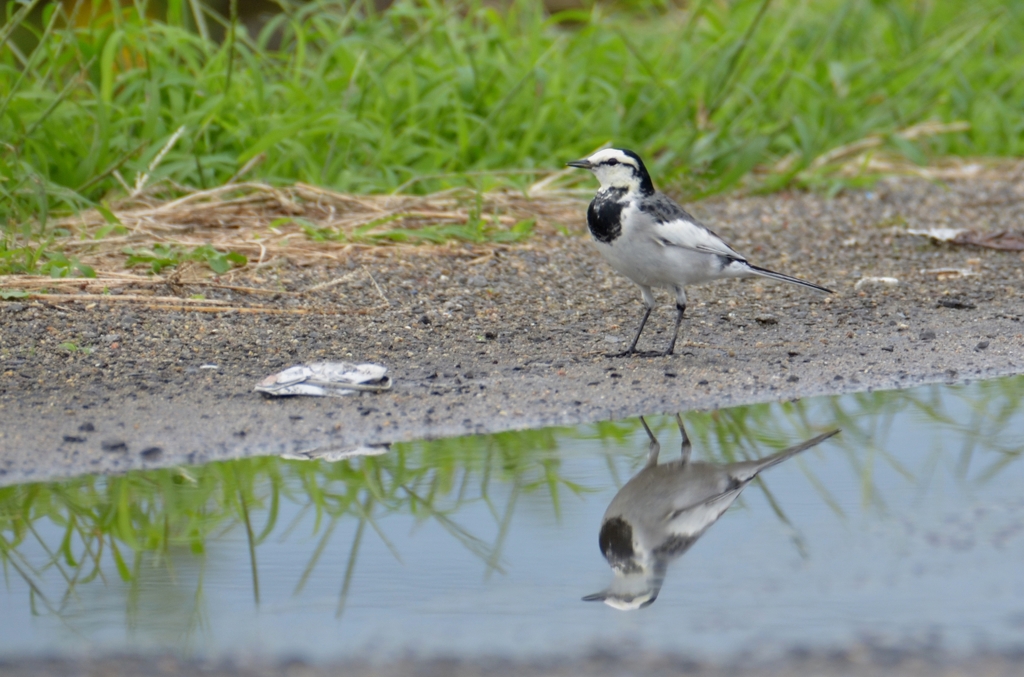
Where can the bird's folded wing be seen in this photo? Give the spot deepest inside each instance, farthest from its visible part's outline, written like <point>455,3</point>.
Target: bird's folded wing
<point>691,235</point>
<point>694,519</point>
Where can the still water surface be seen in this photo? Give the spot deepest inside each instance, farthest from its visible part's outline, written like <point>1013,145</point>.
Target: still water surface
<point>906,528</point>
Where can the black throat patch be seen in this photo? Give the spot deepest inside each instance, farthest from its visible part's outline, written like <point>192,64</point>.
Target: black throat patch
<point>616,541</point>
<point>604,213</point>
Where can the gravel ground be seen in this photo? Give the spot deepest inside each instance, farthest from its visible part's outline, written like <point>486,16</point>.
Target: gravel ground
<point>857,662</point>
<point>488,340</point>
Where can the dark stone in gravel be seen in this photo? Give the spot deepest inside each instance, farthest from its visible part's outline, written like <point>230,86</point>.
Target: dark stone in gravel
<point>958,303</point>
<point>551,301</point>
<point>981,345</point>
<point>114,446</point>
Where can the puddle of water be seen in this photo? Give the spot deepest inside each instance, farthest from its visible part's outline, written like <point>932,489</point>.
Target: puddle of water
<point>908,527</point>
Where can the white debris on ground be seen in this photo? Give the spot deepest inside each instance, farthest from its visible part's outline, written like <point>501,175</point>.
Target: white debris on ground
<point>937,234</point>
<point>332,454</point>
<point>949,272</point>
<point>326,379</point>
<point>1006,240</point>
<point>886,281</point>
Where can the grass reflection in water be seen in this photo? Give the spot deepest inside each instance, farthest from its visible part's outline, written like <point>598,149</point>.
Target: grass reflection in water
<point>61,537</point>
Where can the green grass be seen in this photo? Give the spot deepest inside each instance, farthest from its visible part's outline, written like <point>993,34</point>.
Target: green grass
<point>430,95</point>
<point>168,256</point>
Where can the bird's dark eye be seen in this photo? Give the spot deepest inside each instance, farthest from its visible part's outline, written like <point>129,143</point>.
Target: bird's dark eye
<point>611,163</point>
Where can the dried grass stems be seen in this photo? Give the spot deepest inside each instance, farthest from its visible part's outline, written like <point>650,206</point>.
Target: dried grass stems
<point>299,224</point>
<point>304,225</point>
<point>868,157</point>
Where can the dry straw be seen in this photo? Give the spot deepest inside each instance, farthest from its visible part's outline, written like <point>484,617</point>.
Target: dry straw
<point>302,224</point>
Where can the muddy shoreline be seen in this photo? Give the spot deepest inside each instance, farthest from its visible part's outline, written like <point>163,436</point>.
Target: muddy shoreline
<point>482,340</point>
<point>858,661</point>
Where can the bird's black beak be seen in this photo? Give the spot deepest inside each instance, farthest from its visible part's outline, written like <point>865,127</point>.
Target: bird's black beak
<point>597,596</point>
<point>580,164</point>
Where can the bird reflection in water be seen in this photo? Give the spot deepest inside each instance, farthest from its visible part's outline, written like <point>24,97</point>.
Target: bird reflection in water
<point>661,512</point>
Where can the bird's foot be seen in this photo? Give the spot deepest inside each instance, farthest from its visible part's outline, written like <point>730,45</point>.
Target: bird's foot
<point>624,353</point>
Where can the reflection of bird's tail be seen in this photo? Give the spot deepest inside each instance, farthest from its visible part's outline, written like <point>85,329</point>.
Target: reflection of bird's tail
<point>749,469</point>
<point>764,272</point>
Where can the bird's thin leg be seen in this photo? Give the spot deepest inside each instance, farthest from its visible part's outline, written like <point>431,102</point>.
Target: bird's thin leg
<point>680,309</point>
<point>655,448</point>
<point>685,446</point>
<point>632,346</point>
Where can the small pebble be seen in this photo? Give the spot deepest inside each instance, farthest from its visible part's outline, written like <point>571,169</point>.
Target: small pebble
<point>962,304</point>
<point>981,345</point>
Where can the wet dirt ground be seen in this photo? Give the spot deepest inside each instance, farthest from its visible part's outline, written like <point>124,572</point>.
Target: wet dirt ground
<point>859,662</point>
<point>484,340</point>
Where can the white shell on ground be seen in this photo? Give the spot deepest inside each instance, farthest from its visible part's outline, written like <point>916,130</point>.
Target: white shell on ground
<point>326,379</point>
<point>331,454</point>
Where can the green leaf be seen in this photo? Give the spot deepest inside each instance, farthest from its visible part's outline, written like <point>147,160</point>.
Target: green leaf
<point>122,568</point>
<point>108,216</point>
<point>110,51</point>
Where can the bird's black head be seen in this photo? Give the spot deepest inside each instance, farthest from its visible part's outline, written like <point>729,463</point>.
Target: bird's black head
<point>618,168</point>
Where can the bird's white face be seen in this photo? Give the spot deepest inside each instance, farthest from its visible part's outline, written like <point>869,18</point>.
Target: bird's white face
<point>628,593</point>
<point>613,168</point>
<point>630,604</point>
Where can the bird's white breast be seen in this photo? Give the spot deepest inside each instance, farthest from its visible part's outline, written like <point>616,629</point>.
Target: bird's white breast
<point>642,254</point>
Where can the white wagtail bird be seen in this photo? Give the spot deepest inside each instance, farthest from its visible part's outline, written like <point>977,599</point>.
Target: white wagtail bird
<point>663,510</point>
<point>651,240</point>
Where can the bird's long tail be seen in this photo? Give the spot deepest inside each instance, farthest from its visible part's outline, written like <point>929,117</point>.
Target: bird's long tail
<point>764,272</point>
<point>749,469</point>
